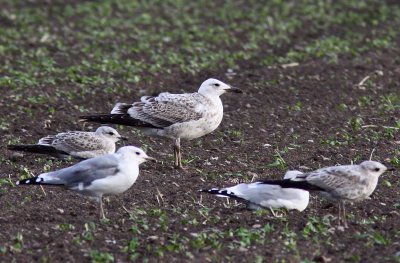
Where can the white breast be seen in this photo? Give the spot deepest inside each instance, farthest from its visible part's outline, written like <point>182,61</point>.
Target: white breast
<point>116,184</point>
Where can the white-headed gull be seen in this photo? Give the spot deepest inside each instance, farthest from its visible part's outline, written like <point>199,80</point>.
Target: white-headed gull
<point>176,116</point>
<point>108,174</point>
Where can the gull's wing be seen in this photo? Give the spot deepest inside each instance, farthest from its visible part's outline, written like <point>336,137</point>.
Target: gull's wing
<point>259,191</point>
<point>38,148</point>
<point>168,109</point>
<point>77,141</point>
<point>254,192</point>
<point>333,178</point>
<point>48,140</point>
<point>84,172</point>
<point>266,195</point>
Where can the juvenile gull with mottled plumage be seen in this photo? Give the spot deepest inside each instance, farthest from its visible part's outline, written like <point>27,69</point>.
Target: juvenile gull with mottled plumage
<point>78,144</point>
<point>176,116</point>
<point>108,174</point>
<point>344,183</point>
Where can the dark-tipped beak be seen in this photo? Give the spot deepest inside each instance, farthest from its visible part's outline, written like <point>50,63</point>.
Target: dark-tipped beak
<point>151,159</point>
<point>234,90</point>
<point>122,138</point>
<point>389,166</point>
<point>391,169</point>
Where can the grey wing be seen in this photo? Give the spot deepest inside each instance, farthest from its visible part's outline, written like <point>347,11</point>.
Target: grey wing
<point>86,172</point>
<point>77,141</point>
<point>333,178</point>
<point>168,109</point>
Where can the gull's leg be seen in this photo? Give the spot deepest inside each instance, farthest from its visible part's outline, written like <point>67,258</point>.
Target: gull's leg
<point>178,156</point>
<point>102,215</point>
<point>275,214</point>
<point>344,216</point>
<point>339,217</point>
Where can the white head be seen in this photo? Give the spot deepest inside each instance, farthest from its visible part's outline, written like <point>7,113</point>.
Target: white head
<point>214,87</point>
<point>109,133</point>
<point>135,153</point>
<point>292,174</point>
<point>373,168</point>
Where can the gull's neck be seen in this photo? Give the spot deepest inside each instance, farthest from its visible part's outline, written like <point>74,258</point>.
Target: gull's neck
<point>215,98</point>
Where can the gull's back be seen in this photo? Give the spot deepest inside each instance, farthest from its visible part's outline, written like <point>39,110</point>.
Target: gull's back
<point>345,182</point>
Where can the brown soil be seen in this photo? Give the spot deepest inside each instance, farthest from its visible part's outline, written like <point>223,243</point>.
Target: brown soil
<point>263,118</point>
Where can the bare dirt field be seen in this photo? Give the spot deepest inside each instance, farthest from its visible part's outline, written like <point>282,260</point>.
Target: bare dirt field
<point>321,84</point>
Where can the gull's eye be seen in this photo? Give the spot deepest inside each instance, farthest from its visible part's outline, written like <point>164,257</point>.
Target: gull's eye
<point>216,85</point>
<point>137,153</point>
<point>376,169</point>
<point>111,133</point>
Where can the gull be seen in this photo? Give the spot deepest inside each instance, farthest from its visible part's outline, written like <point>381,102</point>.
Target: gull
<point>344,183</point>
<point>267,194</point>
<point>176,116</point>
<point>78,144</point>
<point>108,174</point>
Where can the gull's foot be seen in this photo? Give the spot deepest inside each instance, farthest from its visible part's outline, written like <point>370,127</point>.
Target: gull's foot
<point>276,214</point>
<point>181,167</point>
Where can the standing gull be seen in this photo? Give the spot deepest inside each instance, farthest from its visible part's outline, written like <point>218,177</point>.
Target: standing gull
<point>108,174</point>
<point>345,183</point>
<point>176,116</point>
<point>267,194</point>
<point>78,144</point>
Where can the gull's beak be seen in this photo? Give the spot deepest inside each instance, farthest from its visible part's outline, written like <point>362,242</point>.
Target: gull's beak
<point>151,159</point>
<point>389,167</point>
<point>234,90</point>
<point>122,138</point>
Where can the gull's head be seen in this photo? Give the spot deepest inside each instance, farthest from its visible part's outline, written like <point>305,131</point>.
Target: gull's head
<point>135,153</point>
<point>373,168</point>
<point>110,133</point>
<point>214,87</point>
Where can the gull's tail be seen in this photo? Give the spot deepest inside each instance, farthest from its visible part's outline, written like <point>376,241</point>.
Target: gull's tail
<point>221,193</point>
<point>122,119</point>
<point>37,148</point>
<point>45,178</point>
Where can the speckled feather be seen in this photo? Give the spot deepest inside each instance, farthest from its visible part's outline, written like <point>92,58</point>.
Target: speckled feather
<point>77,141</point>
<point>78,144</point>
<point>351,182</point>
<point>168,109</point>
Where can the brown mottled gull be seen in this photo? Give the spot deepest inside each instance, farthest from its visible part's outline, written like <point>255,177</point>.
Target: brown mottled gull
<point>78,144</point>
<point>176,116</point>
<point>345,183</point>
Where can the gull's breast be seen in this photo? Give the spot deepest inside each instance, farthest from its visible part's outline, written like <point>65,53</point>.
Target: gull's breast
<point>114,184</point>
<point>196,128</point>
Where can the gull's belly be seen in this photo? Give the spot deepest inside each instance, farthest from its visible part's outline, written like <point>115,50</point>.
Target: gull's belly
<point>194,129</point>
<point>91,154</point>
<point>112,184</point>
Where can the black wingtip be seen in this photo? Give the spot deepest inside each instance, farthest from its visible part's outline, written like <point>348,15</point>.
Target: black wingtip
<point>288,183</point>
<point>37,148</point>
<point>121,119</point>
<point>210,191</point>
<point>32,180</point>
<point>13,147</point>
<point>103,118</point>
